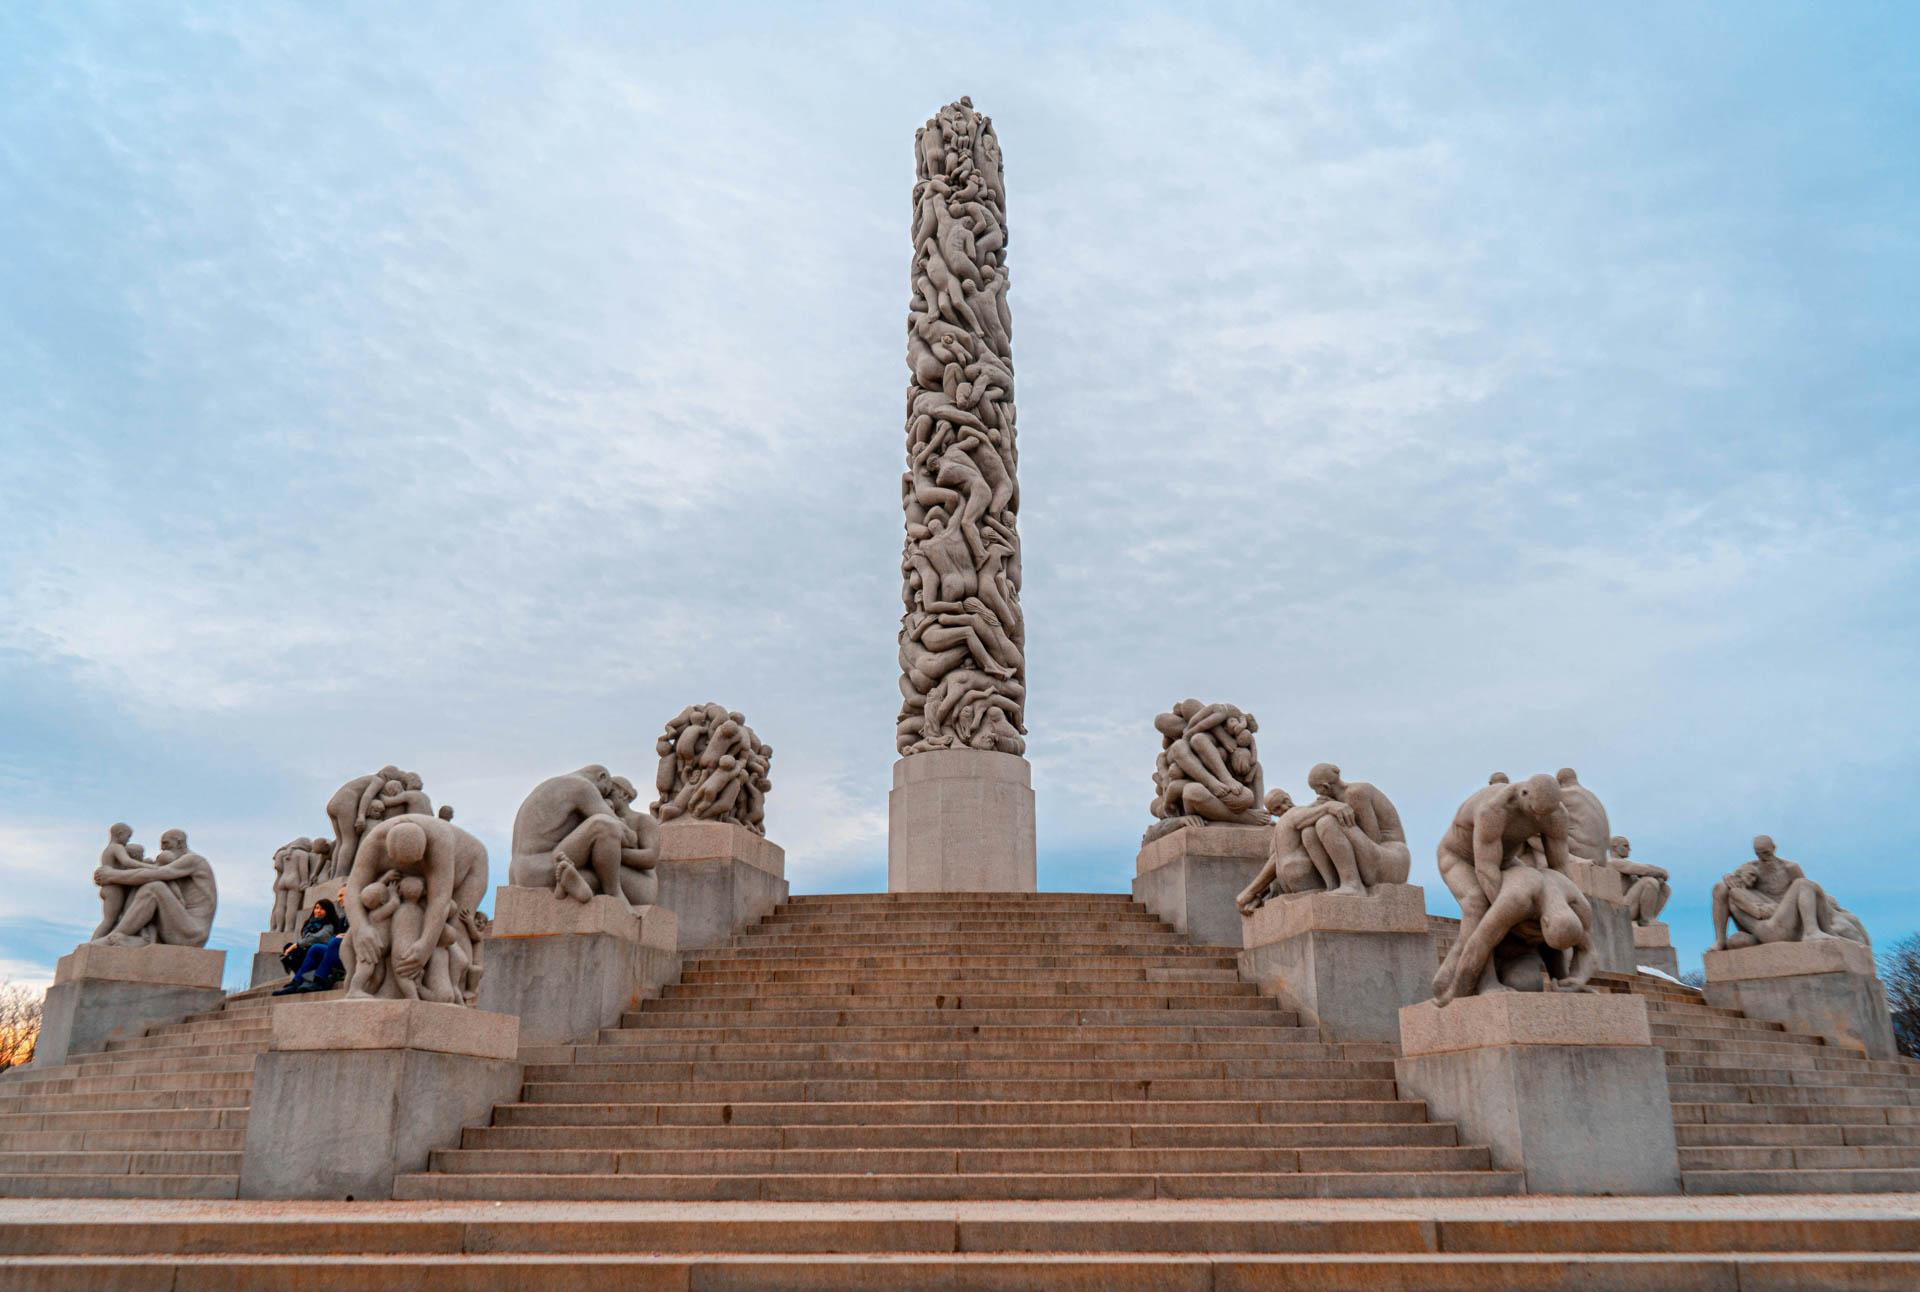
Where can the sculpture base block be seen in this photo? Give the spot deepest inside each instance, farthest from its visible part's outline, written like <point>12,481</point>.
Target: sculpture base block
<point>717,877</point>
<point>327,888</point>
<point>355,1092</point>
<point>566,969</point>
<point>1346,964</point>
<point>1653,947</point>
<point>102,994</point>
<point>1612,923</point>
<point>266,961</point>
<point>961,821</point>
<point>1825,988</point>
<point>1566,1087</point>
<point>1190,876</point>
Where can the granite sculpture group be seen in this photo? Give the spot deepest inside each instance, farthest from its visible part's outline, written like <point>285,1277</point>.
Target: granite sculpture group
<point>169,900</point>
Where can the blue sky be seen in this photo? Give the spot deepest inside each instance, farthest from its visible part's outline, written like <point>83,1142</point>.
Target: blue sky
<point>1456,388</point>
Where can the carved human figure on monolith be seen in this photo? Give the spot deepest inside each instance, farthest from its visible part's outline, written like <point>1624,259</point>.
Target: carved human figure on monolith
<point>1208,769</point>
<point>1359,838</point>
<point>294,868</point>
<point>1770,899</point>
<point>121,853</point>
<point>1489,837</point>
<point>712,768</point>
<point>962,640</point>
<point>1289,867</point>
<point>439,869</point>
<point>569,838</point>
<point>1647,888</point>
<point>170,901</point>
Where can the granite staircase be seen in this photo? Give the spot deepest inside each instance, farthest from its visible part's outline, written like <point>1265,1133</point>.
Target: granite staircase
<point>959,1047</point>
<point>1759,1109</point>
<point>162,1115</point>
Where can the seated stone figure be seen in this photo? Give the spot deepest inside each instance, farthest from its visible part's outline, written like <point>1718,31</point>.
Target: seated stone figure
<point>1289,867</point>
<point>1647,887</point>
<point>1208,769</point>
<point>1770,899</point>
<point>1539,923</point>
<point>171,901</point>
<point>1358,839</point>
<point>569,837</point>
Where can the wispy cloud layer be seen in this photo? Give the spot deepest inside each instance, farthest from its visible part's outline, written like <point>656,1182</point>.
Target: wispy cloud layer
<point>1454,388</point>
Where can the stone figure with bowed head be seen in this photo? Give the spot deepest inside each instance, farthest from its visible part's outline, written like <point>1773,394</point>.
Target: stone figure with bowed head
<point>121,853</point>
<point>1359,837</point>
<point>450,866</point>
<point>292,872</point>
<point>1770,899</point>
<point>1489,835</point>
<point>1538,924</point>
<point>1587,829</point>
<point>1289,867</point>
<point>347,812</point>
<point>1647,889</point>
<point>638,881</point>
<point>568,838</point>
<point>171,901</point>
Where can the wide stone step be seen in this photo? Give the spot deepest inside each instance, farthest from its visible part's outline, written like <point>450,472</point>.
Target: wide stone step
<point>1040,962</point>
<point>1723,1113</point>
<point>959,996</point>
<point>1796,1157</point>
<point>1245,1014</point>
<point>53,1185</point>
<point>66,1141</point>
<point>1864,1180</point>
<point>1782,1093</point>
<point>16,1163</point>
<point>809,1188</point>
<point>1111,1068</point>
<point>1782,1075</point>
<point>848,1034</point>
<point>1322,1234</point>
<point>1690,1135</point>
<point>151,1082</point>
<point>103,1067</point>
<point>938,952</point>
<point>971,1090</point>
<point>1107,1135</point>
<point>657,1050</point>
<point>1095,943</point>
<point>127,1101</point>
<point>226,1118</point>
<point>939,1161</point>
<point>948,976</point>
<point>1016,992</point>
<point>1130,1112</point>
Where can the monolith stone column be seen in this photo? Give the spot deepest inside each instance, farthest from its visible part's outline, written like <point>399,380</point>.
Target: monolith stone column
<point>960,817</point>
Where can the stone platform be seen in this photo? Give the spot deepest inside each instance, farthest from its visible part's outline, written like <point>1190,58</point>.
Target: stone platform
<point>1415,1245</point>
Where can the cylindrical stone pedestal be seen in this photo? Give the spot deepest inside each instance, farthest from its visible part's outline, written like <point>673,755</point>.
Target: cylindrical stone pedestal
<point>1190,876</point>
<point>355,1092</point>
<point>1653,947</point>
<point>960,821</point>
<point>566,969</point>
<point>1346,964</point>
<point>1566,1087</point>
<point>1825,988</point>
<point>104,993</point>
<point>717,877</point>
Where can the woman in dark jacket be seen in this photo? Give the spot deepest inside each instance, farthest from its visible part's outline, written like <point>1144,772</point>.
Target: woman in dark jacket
<point>314,959</point>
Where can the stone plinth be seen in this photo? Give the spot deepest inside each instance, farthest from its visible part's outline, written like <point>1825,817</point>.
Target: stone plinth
<point>266,959</point>
<point>1347,964</point>
<point>961,821</point>
<point>355,1092</point>
<point>717,877</point>
<point>327,888</point>
<point>1606,891</point>
<point>1826,988</point>
<point>1653,947</point>
<point>103,993</point>
<point>566,969</point>
<point>1566,1087</point>
<point>1190,876</point>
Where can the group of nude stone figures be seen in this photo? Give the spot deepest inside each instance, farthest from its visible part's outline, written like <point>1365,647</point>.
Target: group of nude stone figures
<point>712,768</point>
<point>1507,857</point>
<point>962,639</point>
<point>168,899</point>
